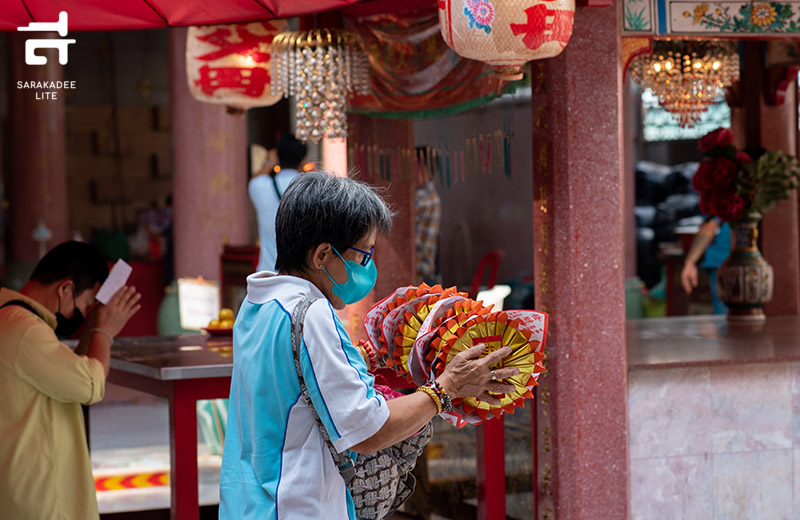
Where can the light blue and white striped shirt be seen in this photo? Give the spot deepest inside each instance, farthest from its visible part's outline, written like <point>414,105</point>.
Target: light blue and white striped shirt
<point>275,463</point>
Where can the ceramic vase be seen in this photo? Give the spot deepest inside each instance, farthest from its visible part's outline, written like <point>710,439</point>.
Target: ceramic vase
<point>745,279</point>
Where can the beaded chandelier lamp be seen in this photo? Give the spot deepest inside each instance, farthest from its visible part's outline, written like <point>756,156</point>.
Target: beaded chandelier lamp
<point>687,76</point>
<point>321,69</point>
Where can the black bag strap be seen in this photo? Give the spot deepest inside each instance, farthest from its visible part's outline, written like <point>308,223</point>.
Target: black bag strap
<point>343,462</point>
<point>20,303</point>
<point>275,183</point>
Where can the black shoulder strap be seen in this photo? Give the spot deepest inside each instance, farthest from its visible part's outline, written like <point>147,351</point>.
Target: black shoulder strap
<point>20,303</point>
<point>275,183</point>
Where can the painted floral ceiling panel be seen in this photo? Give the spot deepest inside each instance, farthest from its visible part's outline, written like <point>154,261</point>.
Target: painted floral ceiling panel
<point>734,18</point>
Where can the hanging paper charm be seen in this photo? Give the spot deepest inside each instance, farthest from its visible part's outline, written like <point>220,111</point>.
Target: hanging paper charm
<point>506,34</point>
<point>232,64</point>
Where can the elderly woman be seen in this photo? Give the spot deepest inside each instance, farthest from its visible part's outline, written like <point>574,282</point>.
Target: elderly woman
<point>276,464</point>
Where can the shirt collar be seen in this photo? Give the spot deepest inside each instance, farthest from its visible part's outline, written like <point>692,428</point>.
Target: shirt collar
<point>267,285</point>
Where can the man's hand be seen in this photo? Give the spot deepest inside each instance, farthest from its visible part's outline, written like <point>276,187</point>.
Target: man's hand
<point>689,277</point>
<point>113,316</point>
<point>110,317</point>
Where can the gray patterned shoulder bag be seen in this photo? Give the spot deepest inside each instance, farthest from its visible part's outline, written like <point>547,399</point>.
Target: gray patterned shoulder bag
<point>379,482</point>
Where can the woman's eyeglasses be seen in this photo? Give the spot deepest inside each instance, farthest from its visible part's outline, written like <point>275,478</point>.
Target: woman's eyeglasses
<point>367,254</point>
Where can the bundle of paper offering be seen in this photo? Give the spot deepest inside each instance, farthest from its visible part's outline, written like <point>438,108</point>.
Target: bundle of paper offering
<point>418,330</point>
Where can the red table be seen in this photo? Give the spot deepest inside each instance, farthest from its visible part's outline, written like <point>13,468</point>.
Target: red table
<point>182,370</point>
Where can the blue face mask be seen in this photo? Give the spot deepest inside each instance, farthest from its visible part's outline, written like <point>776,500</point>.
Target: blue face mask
<point>360,280</point>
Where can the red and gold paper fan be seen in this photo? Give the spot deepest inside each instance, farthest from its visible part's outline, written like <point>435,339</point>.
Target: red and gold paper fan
<point>401,299</point>
<point>408,330</point>
<point>418,365</point>
<point>373,323</point>
<point>452,320</point>
<point>401,326</point>
<point>419,330</point>
<point>495,331</point>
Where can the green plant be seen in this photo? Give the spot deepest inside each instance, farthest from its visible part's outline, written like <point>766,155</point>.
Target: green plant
<point>732,186</point>
<point>768,180</point>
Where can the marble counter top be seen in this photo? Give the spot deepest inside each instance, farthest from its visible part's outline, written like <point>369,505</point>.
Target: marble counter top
<point>174,357</point>
<point>710,340</point>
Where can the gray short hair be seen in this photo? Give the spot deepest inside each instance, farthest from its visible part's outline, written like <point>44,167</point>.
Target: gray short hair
<point>318,208</point>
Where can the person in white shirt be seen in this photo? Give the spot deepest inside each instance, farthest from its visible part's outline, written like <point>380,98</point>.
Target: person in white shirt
<point>266,190</point>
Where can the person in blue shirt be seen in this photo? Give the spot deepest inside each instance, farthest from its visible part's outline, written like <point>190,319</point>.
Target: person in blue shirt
<point>276,464</point>
<point>713,244</point>
<point>266,190</point>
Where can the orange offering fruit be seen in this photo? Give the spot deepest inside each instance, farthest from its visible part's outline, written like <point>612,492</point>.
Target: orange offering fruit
<point>226,324</point>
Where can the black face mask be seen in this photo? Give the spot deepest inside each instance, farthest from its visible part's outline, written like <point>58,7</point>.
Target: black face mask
<point>66,327</point>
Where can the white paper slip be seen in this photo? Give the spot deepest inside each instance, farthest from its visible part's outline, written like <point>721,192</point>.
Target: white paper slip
<point>116,280</point>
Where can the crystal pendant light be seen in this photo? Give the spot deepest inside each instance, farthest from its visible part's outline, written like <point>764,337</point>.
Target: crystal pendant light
<point>687,76</point>
<point>321,69</point>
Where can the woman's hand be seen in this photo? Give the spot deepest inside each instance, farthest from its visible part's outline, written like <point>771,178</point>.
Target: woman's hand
<point>469,375</point>
<point>689,277</point>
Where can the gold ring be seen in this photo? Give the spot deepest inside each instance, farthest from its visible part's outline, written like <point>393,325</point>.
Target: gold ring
<point>494,376</point>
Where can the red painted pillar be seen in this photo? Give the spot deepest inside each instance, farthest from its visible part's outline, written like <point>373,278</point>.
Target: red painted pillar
<point>3,192</point>
<point>780,241</point>
<point>37,188</point>
<point>582,441</point>
<point>209,155</point>
<point>630,126</point>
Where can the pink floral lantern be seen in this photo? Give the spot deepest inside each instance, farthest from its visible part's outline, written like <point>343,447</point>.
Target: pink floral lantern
<point>232,64</point>
<point>506,34</point>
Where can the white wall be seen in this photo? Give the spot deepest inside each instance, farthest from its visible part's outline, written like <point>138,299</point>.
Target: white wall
<point>487,211</point>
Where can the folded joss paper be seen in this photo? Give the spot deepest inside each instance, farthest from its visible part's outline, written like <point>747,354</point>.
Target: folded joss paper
<point>419,330</point>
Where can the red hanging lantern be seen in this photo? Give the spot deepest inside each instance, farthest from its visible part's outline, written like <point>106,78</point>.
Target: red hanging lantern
<point>232,64</point>
<point>506,34</point>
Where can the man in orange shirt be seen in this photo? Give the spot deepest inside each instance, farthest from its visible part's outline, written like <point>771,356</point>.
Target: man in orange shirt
<point>46,468</point>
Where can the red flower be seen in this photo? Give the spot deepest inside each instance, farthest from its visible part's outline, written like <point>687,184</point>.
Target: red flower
<point>705,203</point>
<point>726,204</point>
<point>735,208</point>
<point>719,138</point>
<point>724,172</point>
<point>702,177</point>
<point>742,157</point>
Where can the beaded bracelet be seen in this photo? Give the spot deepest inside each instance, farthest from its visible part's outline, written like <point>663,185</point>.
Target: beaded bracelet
<point>432,394</point>
<point>372,356</point>
<point>434,385</point>
<point>370,351</point>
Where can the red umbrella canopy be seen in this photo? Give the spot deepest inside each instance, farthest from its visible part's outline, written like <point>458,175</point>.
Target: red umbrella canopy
<point>104,15</point>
